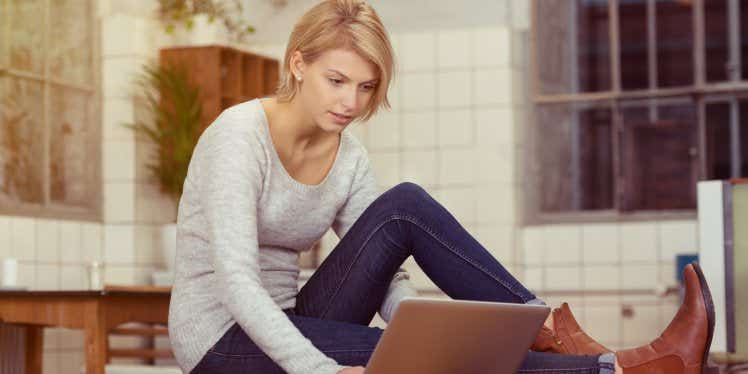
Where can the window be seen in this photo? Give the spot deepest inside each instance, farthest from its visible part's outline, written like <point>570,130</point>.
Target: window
<point>49,128</point>
<point>634,102</point>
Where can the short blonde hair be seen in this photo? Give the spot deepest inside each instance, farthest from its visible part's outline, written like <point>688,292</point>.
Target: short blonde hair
<point>348,24</point>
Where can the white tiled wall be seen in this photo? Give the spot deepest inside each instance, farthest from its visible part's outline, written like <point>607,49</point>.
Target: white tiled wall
<point>612,258</point>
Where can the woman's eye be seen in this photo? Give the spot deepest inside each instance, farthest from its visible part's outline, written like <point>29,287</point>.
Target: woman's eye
<point>368,88</point>
<point>335,81</point>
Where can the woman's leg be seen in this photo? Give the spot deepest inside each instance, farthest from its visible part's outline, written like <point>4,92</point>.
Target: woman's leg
<point>347,343</point>
<point>404,221</point>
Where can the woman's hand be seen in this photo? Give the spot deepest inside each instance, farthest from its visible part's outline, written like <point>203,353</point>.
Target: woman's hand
<point>352,370</point>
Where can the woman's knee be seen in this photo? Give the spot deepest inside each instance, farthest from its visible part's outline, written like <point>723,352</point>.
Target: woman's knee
<point>407,192</point>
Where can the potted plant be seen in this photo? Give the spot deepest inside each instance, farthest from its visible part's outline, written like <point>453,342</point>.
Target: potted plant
<point>174,127</point>
<point>204,21</point>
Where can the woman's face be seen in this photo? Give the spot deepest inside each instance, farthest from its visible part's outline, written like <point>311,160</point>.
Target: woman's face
<point>336,88</point>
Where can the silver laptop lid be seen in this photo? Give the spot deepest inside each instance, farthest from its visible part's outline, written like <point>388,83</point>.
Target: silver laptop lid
<point>440,336</point>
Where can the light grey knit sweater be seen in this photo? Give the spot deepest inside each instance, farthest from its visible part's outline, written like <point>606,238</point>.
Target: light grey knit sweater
<point>242,222</point>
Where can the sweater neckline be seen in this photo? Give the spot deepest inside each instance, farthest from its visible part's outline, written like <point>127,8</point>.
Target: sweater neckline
<point>276,157</point>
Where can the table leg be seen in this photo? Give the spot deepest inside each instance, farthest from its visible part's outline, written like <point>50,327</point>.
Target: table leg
<point>96,345</point>
<point>34,349</point>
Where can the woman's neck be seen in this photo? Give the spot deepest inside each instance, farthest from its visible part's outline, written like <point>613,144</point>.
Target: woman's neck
<point>292,128</point>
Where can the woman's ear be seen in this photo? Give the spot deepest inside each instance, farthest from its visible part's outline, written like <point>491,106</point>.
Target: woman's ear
<point>297,65</point>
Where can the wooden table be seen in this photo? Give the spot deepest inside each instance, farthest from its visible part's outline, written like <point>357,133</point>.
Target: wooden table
<point>95,312</point>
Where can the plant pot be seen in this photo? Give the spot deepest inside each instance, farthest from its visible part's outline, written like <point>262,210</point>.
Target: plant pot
<point>168,242</point>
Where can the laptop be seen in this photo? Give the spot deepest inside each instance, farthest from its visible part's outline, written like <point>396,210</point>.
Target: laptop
<point>441,336</point>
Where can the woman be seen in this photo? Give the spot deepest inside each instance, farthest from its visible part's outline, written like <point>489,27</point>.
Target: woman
<point>271,175</point>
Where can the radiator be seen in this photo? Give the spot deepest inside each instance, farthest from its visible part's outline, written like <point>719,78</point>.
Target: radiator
<point>12,339</point>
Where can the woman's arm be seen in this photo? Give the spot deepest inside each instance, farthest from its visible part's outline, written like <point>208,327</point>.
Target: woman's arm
<point>230,179</point>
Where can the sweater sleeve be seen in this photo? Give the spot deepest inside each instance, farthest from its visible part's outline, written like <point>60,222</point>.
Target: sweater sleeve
<point>363,193</point>
<point>230,184</point>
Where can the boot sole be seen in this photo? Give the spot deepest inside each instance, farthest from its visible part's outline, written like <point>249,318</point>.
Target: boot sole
<point>709,304</point>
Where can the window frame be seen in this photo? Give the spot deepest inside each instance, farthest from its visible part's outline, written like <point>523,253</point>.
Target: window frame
<point>700,91</point>
<point>47,208</point>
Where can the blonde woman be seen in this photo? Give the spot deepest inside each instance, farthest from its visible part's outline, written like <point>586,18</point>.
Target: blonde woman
<point>270,176</point>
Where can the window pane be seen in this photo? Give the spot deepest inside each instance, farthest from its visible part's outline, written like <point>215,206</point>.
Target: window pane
<point>70,165</point>
<point>743,138</point>
<point>674,43</point>
<point>27,35</point>
<point>716,38</point>
<point>744,37</point>
<point>573,51</point>
<point>70,49</point>
<point>718,147</point>
<point>21,146</point>
<point>633,36</point>
<point>575,155</point>
<point>658,158</point>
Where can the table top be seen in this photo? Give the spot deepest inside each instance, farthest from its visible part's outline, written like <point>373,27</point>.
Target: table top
<point>113,290</point>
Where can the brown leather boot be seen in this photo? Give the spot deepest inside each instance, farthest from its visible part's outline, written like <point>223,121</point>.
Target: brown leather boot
<point>684,345</point>
<point>568,337</point>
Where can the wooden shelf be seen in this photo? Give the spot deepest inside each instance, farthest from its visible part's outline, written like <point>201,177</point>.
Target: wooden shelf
<point>226,76</point>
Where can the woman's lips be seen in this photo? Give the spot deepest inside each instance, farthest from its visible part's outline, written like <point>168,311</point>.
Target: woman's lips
<point>339,118</point>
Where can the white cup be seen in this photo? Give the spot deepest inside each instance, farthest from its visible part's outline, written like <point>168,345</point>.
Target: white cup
<point>10,273</point>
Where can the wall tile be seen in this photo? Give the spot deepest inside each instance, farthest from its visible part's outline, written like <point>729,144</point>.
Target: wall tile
<point>495,164</point>
<point>563,278</point>
<point>119,75</point>
<point>92,240</point>
<point>417,51</point>
<point>519,11</point>
<point>533,245</point>
<point>456,166</point>
<point>119,202</point>
<point>384,131</point>
<point>47,240</point>
<point>147,245</point>
<point>600,243</point>
<point>492,87</point>
<point>48,277</point>
<point>386,166</point>
<point>667,274</point>
<point>125,35</point>
<point>153,206</point>
<point>72,361</point>
<point>678,237</point>
<point>70,242</point>
<point>115,113</point>
<point>495,204</point>
<point>119,160</point>
<point>5,240</point>
<point>51,362</point>
<point>71,339</point>
<point>643,326</point>
<point>640,276</point>
<point>533,278</point>
<point>419,129</point>
<point>419,167</point>
<point>498,240</point>
<point>563,244</point>
<point>453,49</point>
<point>491,47</point>
<point>73,277</point>
<point>455,90</point>
<point>603,322</point>
<point>455,128</point>
<point>460,202</point>
<point>638,242</point>
<point>494,126</point>
<point>602,277</point>
<point>119,274</point>
<point>418,91</point>
<point>23,238</point>
<point>119,244</point>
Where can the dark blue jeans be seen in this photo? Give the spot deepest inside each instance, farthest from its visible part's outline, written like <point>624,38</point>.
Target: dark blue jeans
<point>336,305</point>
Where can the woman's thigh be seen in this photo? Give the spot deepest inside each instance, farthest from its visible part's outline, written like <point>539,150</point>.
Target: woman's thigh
<point>347,343</point>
